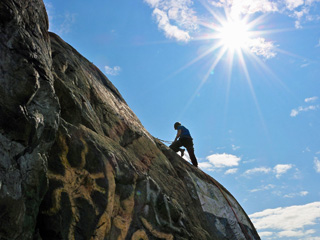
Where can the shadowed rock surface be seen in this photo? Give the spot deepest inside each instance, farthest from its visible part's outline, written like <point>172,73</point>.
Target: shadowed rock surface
<point>75,161</point>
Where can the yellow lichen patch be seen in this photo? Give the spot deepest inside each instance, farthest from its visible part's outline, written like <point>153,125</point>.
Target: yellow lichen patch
<point>104,224</point>
<point>77,183</point>
<point>139,235</point>
<point>123,213</point>
<point>155,232</point>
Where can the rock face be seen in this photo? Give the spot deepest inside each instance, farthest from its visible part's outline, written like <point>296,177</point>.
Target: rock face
<point>29,115</point>
<point>76,163</point>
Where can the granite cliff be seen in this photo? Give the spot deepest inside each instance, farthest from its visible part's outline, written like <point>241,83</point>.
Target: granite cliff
<point>75,161</point>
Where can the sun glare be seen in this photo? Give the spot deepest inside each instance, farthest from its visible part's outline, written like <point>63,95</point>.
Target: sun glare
<point>234,34</point>
<point>232,38</point>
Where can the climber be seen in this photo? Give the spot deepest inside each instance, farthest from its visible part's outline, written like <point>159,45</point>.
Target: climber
<point>184,138</point>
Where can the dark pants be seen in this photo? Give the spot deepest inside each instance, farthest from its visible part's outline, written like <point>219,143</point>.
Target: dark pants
<point>188,144</point>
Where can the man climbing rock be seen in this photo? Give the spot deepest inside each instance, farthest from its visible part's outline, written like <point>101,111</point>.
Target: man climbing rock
<point>184,139</point>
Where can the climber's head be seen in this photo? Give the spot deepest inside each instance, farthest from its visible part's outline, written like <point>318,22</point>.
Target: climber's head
<point>176,125</point>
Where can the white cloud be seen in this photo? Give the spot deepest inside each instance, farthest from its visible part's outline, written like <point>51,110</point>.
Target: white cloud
<point>231,171</point>
<point>176,18</point>
<point>278,170</point>
<point>112,70</point>
<point>171,31</point>
<point>281,169</point>
<point>223,160</point>
<point>153,3</point>
<point>316,164</point>
<point>312,238</point>
<point>289,221</point>
<point>265,234</point>
<point>295,112</point>
<point>239,7</point>
<point>258,170</point>
<point>311,99</point>
<point>300,10</point>
<point>300,16</point>
<point>247,6</point>
<point>205,165</point>
<point>299,233</point>
<point>261,47</point>
<point>292,4</point>
<point>300,194</point>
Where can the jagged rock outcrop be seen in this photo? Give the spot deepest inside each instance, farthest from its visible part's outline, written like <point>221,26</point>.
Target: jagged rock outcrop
<point>76,163</point>
<point>29,115</point>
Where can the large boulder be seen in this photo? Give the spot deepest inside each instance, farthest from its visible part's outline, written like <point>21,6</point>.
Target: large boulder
<point>76,163</point>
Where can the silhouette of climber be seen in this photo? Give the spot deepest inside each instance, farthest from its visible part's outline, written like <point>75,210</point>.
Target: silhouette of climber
<point>184,139</point>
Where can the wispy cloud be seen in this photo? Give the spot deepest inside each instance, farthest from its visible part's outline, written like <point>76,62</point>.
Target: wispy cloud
<point>263,188</point>
<point>316,164</point>
<point>301,11</point>
<point>295,112</point>
<point>250,161</point>
<point>289,222</point>
<point>278,170</point>
<point>311,99</point>
<point>68,21</point>
<point>299,194</point>
<point>176,18</point>
<point>223,160</point>
<point>305,65</point>
<point>234,147</point>
<point>231,171</point>
<point>257,170</point>
<point>113,71</point>
<point>60,23</point>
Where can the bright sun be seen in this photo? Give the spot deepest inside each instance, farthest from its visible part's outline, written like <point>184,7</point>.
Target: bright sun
<point>232,38</point>
<point>234,34</point>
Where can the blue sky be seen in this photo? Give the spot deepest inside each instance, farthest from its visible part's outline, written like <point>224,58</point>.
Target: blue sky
<point>243,76</point>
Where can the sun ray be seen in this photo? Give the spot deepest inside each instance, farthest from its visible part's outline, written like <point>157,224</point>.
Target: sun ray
<point>206,53</point>
<point>229,74</point>
<point>255,60</point>
<point>235,40</point>
<point>204,80</point>
<point>245,69</point>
